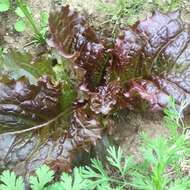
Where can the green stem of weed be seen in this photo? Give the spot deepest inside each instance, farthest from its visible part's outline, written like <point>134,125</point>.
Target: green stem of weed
<point>116,22</point>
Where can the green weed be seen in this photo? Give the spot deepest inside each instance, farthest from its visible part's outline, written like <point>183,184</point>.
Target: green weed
<point>4,5</point>
<point>25,17</point>
<point>127,12</point>
<point>118,10</point>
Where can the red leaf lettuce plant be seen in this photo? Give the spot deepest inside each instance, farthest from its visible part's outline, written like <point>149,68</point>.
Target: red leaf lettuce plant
<point>148,62</point>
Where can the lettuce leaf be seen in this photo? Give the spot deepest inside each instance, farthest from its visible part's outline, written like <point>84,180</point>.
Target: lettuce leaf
<point>158,52</point>
<point>23,105</point>
<point>71,34</point>
<point>149,59</point>
<point>16,64</point>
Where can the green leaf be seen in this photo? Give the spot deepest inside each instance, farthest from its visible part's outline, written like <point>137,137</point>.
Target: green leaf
<point>19,12</point>
<point>55,186</point>
<point>96,174</point>
<point>16,65</point>
<point>4,5</point>
<point>43,176</point>
<point>180,184</point>
<point>117,160</point>
<point>63,73</point>
<point>44,23</point>
<point>115,157</point>
<point>43,32</point>
<point>11,182</point>
<point>1,50</point>
<point>44,19</point>
<point>77,182</point>
<point>20,25</point>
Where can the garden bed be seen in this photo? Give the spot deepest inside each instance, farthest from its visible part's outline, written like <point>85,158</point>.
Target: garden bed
<point>60,124</point>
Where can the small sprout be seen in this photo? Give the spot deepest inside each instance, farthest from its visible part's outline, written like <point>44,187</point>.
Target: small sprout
<point>26,18</point>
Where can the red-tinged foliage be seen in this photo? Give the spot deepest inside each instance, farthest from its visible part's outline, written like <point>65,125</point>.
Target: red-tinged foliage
<point>139,47</point>
<point>143,91</point>
<point>105,98</point>
<point>76,40</point>
<point>85,128</point>
<point>23,104</point>
<point>148,63</point>
<point>151,60</point>
<point>146,60</point>
<point>127,54</point>
<point>70,32</point>
<point>156,51</point>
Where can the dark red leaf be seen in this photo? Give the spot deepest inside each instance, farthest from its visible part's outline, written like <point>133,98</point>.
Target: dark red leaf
<point>151,60</point>
<point>70,32</point>
<point>24,105</point>
<point>57,143</point>
<point>85,127</point>
<point>154,56</point>
<point>141,45</point>
<point>127,54</point>
<point>146,91</point>
<point>75,39</point>
<point>105,98</point>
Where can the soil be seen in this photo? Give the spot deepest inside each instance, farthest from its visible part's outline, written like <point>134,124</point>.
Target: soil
<point>132,124</point>
<point>10,39</point>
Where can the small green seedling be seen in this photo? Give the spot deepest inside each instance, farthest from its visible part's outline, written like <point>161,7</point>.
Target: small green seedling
<point>25,18</point>
<point>4,5</point>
